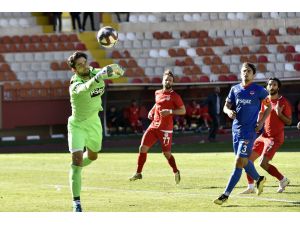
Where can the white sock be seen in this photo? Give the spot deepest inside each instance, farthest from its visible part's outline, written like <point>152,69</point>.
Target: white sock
<point>251,186</point>
<point>283,179</point>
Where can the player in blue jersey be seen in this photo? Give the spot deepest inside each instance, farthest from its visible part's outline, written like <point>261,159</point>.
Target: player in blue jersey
<point>243,105</point>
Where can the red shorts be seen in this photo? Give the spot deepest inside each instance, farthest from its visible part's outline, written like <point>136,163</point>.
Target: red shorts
<point>266,146</point>
<point>151,136</point>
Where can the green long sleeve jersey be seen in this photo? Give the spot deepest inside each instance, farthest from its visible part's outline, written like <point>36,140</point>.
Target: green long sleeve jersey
<point>85,96</point>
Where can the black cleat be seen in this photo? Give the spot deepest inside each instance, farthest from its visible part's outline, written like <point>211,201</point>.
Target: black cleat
<point>223,198</point>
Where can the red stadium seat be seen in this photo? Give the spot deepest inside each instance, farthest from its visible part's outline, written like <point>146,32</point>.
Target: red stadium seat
<point>219,42</point>
<point>224,69</point>
<point>172,52</point>
<point>94,64</point>
<point>73,38</point>
<point>290,48</point>
<point>244,58</point>
<point>201,42</point>
<point>207,60</point>
<point>252,58</point>
<point>54,38</point>
<point>187,71</point>
<point>193,34</point>
<point>44,38</point>
<point>209,51</point>
<point>16,39</point>
<point>200,51</point>
<point>291,30</point>
<point>55,66</point>
<point>64,66</point>
<point>204,78</point>
<point>80,47</point>
<point>156,80</point>
<point>203,33</point>
<point>139,72</point>
<point>196,70</point>
<point>184,34</point>
<point>222,78</point>
<point>289,57</point>
<point>136,81</point>
<point>232,77</point>
<point>297,58</point>
<point>262,59</point>
<point>116,54</point>
<point>272,39</point>
<point>215,69</point>
<point>216,60</point>
<point>185,79</point>
<point>261,68</point>
<point>280,48</point>
<point>263,49</point>
<point>297,66</point>
<point>132,63</point>
<point>181,52</point>
<point>245,50</point>
<point>189,61</point>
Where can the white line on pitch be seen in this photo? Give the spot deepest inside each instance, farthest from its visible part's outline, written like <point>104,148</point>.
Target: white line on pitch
<point>58,187</point>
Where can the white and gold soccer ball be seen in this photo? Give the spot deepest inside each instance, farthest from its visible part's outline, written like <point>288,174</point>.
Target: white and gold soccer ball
<point>107,37</point>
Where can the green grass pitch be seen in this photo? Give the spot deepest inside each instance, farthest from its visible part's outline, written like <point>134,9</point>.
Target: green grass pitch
<point>39,182</point>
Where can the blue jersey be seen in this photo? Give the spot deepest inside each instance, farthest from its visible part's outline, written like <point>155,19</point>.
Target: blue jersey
<point>246,101</point>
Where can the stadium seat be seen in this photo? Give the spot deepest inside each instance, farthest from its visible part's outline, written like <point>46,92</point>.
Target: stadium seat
<point>200,51</point>
<point>297,66</point>
<point>216,60</point>
<point>289,57</point>
<point>204,78</point>
<point>215,69</point>
<point>232,77</point>
<point>290,48</point>
<point>280,48</point>
<point>185,79</point>
<point>136,81</point>
<point>209,51</point>
<point>262,59</point>
<point>139,72</point>
<point>222,78</point>
<point>156,80</point>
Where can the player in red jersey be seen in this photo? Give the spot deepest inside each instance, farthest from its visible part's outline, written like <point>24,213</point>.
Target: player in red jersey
<point>167,104</point>
<point>272,137</point>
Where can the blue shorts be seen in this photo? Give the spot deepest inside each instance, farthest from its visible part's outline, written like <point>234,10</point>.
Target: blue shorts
<point>243,143</point>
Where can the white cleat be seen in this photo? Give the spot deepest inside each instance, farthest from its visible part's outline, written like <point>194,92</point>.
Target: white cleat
<point>177,177</point>
<point>248,191</point>
<point>282,185</point>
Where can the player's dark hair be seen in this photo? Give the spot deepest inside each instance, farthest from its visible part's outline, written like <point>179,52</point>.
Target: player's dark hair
<point>76,55</point>
<point>168,73</point>
<point>251,65</point>
<point>276,79</point>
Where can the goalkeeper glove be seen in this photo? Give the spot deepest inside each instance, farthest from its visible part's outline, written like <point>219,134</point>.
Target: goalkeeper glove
<point>110,72</point>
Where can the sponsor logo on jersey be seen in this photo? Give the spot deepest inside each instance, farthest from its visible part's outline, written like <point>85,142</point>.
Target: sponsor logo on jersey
<point>252,92</point>
<point>244,101</point>
<point>97,91</point>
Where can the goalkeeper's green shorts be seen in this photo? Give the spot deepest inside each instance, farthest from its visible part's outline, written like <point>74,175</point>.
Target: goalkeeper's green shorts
<point>86,133</point>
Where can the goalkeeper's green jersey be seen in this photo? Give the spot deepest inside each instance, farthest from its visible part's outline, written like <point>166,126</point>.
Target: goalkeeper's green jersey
<point>86,99</point>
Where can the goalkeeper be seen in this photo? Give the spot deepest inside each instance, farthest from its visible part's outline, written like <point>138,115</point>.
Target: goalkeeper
<point>84,125</point>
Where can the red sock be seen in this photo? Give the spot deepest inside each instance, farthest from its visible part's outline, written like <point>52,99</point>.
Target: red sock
<point>250,179</point>
<point>172,163</point>
<point>272,170</point>
<point>141,161</point>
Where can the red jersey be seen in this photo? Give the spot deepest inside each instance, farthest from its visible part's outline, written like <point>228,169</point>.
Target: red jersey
<point>165,100</point>
<point>274,126</point>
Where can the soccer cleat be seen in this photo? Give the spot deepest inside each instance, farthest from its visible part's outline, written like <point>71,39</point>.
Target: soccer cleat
<point>222,198</point>
<point>282,185</point>
<point>177,177</point>
<point>77,207</point>
<point>260,185</point>
<point>136,176</point>
<point>248,191</point>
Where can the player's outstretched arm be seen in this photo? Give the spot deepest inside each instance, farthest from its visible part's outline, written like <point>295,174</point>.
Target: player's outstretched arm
<point>109,72</point>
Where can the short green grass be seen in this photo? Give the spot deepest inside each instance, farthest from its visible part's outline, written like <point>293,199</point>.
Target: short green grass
<point>39,183</point>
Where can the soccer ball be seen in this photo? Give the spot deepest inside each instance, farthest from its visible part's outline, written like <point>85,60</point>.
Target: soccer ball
<point>107,37</point>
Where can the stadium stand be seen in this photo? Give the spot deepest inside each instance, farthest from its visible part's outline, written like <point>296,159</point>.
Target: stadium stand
<point>33,59</point>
